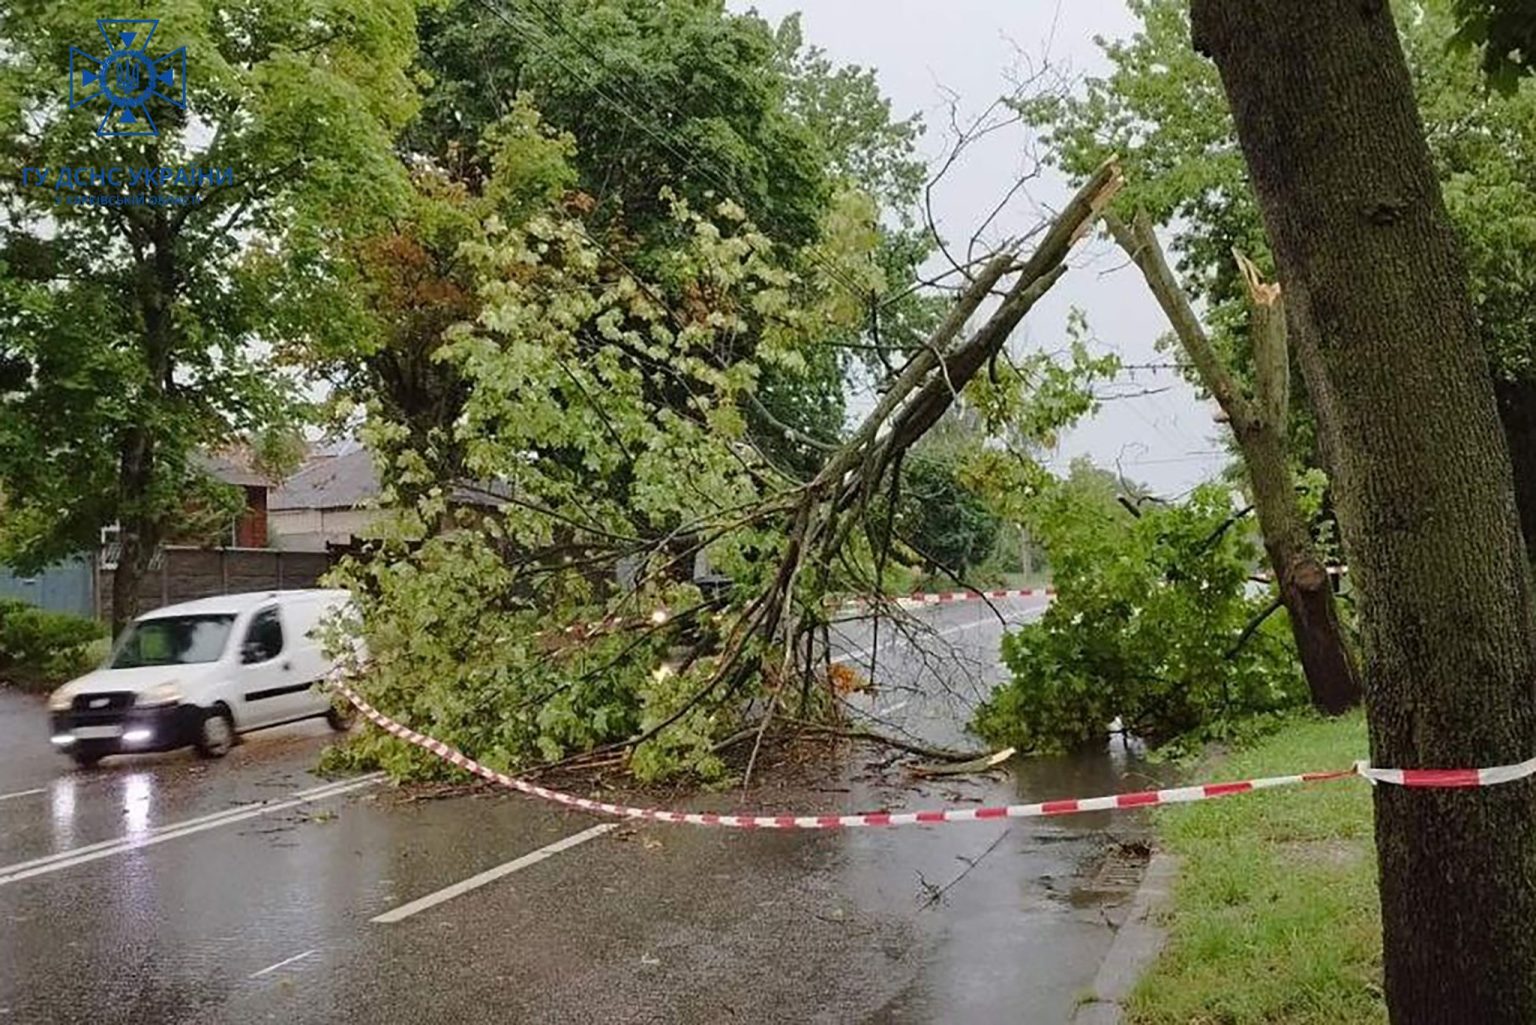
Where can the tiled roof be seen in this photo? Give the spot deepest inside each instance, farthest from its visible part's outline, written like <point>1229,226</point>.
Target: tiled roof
<point>329,482</point>
<point>350,480</point>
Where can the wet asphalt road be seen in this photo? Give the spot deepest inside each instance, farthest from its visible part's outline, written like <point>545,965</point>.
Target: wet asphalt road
<point>162,889</point>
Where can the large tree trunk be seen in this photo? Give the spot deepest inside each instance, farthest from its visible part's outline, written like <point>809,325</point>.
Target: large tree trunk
<point>140,512</point>
<point>1260,424</point>
<point>1368,259</point>
<point>137,533</point>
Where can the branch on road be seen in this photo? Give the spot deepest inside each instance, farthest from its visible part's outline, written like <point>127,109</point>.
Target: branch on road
<point>931,894</point>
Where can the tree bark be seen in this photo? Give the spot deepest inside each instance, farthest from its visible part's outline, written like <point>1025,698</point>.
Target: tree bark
<point>140,522</point>
<point>1260,424</point>
<point>1367,257</point>
<point>1332,676</point>
<point>137,538</point>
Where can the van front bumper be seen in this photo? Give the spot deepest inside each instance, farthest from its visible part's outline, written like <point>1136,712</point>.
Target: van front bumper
<point>156,728</point>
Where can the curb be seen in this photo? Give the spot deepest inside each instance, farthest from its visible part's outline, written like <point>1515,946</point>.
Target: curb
<point>1135,946</point>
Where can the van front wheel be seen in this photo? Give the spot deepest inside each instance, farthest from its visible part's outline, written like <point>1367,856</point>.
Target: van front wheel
<point>217,734</point>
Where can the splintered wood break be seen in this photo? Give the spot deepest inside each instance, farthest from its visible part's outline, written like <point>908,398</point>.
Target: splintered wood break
<point>1100,200</point>
<point>1263,293</point>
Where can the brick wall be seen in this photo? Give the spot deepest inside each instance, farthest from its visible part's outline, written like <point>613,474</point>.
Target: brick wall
<point>251,526</point>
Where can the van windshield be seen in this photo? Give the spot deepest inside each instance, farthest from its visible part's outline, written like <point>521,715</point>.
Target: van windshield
<point>172,640</point>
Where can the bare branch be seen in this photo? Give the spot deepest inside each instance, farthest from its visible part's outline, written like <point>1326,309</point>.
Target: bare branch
<point>1275,604</point>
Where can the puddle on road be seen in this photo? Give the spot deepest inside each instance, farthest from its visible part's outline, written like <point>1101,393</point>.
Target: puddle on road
<point>995,917</point>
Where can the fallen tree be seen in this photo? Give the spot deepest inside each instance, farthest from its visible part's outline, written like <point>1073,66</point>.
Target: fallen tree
<point>613,429</point>
<point>821,511</point>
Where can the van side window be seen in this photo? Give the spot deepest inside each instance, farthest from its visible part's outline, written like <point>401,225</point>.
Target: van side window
<point>264,639</point>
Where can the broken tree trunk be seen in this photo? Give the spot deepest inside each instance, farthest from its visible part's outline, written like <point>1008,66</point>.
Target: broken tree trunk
<point>1260,424</point>
<point>926,387</point>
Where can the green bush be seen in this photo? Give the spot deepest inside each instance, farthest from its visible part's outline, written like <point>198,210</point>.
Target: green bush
<point>39,649</point>
<point>1148,626</point>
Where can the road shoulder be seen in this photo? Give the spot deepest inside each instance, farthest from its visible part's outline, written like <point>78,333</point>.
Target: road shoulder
<point>1274,916</point>
<point>1136,945</point>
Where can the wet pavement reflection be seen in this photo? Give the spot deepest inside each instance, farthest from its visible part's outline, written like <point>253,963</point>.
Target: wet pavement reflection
<point>267,917</point>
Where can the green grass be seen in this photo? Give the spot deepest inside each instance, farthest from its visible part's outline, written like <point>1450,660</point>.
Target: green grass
<point>1275,916</point>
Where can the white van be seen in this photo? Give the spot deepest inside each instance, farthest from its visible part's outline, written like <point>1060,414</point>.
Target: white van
<point>201,673</point>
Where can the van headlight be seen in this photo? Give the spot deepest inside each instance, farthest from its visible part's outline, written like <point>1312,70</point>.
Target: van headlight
<point>168,693</point>
<point>61,699</point>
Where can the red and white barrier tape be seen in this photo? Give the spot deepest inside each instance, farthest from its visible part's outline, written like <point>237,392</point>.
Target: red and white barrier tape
<point>1448,778</point>
<point>918,598</point>
<point>1437,778</point>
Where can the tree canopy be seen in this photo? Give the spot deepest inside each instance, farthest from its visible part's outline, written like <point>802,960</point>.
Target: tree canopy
<point>1161,108</point>
<point>133,301</point>
<point>1505,31</point>
<point>635,99</point>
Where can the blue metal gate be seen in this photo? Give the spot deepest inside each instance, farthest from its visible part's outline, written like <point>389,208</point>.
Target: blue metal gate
<point>63,587</point>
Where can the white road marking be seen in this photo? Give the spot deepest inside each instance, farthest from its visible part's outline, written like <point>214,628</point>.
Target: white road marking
<point>23,793</point>
<point>209,818</point>
<point>491,875</point>
<point>863,653</point>
<point>372,777</point>
<point>175,830</point>
<point>275,967</point>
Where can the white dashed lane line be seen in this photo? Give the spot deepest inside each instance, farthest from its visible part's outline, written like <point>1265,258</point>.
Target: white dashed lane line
<point>490,875</point>
<point>281,964</point>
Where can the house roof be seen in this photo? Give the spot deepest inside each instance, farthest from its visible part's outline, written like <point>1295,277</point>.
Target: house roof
<point>232,466</point>
<point>351,479</point>
<point>343,481</point>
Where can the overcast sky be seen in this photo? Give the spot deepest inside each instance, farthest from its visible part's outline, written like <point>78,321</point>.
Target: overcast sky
<point>924,52</point>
